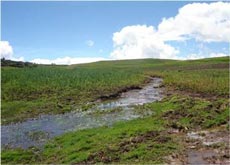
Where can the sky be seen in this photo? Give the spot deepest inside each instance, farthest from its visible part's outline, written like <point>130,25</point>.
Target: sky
<point>78,32</point>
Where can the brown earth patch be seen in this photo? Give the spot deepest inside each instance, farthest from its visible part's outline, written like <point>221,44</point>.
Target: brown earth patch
<point>117,94</point>
<point>203,147</point>
<point>126,89</point>
<point>209,147</point>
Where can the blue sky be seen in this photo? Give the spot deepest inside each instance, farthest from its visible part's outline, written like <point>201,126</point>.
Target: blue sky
<point>51,30</point>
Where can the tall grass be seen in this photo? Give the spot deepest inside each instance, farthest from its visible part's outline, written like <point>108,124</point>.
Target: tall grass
<point>211,81</point>
<point>18,84</point>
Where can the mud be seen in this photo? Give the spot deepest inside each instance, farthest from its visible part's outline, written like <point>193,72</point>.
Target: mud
<point>118,94</point>
<point>209,138</point>
<point>208,147</point>
<point>202,147</point>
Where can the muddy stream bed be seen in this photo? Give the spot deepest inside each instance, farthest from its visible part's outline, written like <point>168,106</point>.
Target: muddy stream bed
<point>36,132</point>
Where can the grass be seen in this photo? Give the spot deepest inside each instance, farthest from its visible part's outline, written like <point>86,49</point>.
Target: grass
<point>28,92</point>
<point>208,81</point>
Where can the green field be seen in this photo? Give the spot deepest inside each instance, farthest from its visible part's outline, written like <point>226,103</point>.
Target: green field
<point>30,91</point>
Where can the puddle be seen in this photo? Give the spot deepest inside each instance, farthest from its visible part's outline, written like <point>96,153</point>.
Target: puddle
<point>205,153</point>
<point>36,132</point>
<point>209,138</point>
<point>200,157</point>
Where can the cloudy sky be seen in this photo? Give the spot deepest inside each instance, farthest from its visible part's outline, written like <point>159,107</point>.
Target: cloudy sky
<point>79,32</point>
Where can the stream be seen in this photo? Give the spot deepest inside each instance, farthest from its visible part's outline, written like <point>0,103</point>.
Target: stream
<point>36,132</point>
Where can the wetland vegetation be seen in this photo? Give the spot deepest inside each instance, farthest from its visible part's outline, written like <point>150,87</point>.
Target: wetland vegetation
<point>196,98</point>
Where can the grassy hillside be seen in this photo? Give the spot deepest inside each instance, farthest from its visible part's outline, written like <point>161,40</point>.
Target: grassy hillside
<point>28,92</point>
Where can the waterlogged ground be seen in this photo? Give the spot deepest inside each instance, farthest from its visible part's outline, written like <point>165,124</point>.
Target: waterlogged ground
<point>208,147</point>
<point>35,132</point>
<point>189,126</point>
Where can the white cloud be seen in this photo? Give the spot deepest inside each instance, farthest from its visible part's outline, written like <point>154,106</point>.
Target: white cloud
<point>89,43</point>
<point>201,21</point>
<point>68,60</point>
<point>140,41</point>
<point>6,50</point>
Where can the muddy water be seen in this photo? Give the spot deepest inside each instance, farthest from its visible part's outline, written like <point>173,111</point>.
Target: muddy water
<point>35,132</point>
<point>201,150</point>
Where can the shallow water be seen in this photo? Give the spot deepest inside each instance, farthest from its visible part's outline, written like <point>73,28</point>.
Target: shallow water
<point>35,132</point>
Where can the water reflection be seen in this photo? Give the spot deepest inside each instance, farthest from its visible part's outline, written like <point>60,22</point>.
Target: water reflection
<point>35,132</point>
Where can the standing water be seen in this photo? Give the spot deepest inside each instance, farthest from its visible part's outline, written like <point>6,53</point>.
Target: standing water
<point>35,132</point>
